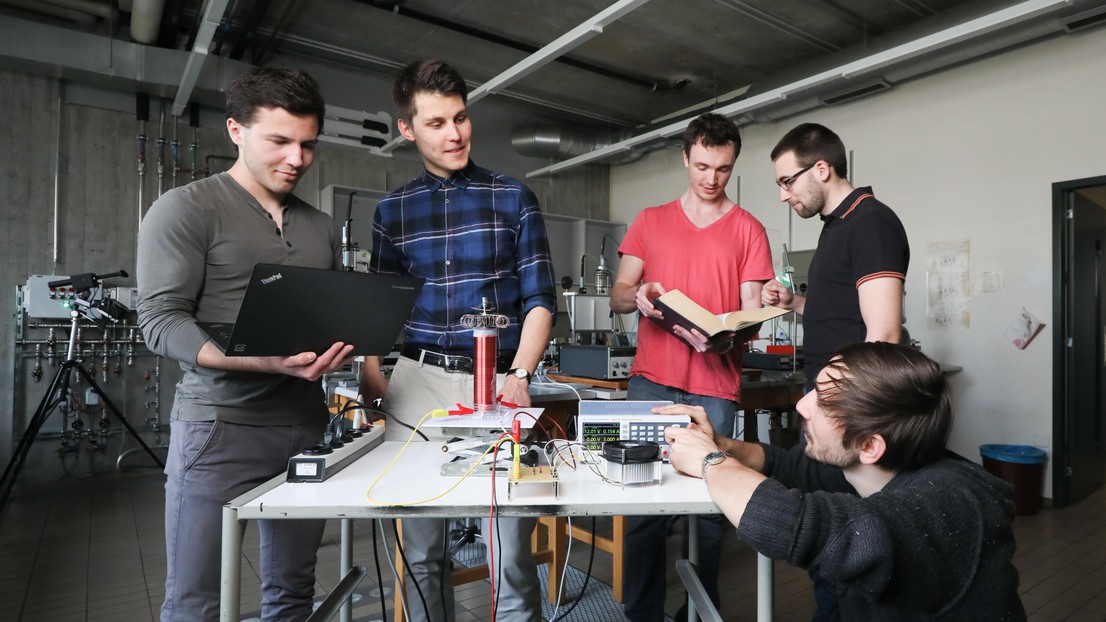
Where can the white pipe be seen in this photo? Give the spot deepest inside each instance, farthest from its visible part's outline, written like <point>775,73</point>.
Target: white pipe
<point>57,174</point>
<point>146,20</point>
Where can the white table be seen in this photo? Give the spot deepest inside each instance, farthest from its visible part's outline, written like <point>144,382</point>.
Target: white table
<point>415,476</point>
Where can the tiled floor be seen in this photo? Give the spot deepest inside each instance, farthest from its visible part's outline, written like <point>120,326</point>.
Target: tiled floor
<point>93,550</point>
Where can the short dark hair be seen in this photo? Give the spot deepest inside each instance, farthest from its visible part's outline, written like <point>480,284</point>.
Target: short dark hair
<point>712,130</point>
<point>425,76</point>
<point>894,391</point>
<point>812,142</point>
<point>274,87</point>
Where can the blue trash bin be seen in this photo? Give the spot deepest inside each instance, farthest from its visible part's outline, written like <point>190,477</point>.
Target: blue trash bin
<point>1021,465</point>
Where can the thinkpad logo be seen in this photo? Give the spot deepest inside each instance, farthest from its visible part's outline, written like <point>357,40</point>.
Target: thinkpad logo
<point>270,279</point>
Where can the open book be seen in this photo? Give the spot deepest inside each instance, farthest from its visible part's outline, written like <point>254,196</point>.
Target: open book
<point>724,331</point>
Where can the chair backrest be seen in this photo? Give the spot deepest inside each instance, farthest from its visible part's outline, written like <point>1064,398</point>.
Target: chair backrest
<point>696,593</point>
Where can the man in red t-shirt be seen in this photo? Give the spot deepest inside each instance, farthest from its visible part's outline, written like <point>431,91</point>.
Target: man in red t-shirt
<point>716,253</point>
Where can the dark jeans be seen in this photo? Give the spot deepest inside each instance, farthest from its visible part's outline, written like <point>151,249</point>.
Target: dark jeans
<point>644,564</point>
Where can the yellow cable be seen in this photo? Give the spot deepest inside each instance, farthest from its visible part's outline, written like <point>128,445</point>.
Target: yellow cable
<point>476,463</point>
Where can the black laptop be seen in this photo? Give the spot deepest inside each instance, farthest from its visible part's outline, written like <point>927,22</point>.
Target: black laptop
<point>290,309</point>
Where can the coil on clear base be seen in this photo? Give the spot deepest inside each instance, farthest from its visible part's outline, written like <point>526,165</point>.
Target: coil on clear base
<point>633,463</point>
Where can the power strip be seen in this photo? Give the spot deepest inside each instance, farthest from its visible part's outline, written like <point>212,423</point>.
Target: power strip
<point>317,468</point>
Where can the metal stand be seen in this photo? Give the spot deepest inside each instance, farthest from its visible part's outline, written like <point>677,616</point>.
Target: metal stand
<point>58,392</point>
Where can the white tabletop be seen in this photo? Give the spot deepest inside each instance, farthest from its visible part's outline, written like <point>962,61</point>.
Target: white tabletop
<point>415,476</point>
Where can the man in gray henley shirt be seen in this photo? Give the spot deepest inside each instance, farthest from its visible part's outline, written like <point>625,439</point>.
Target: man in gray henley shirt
<point>236,421</point>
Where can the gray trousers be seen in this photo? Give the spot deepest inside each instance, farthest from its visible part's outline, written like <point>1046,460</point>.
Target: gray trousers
<point>209,464</point>
<point>413,391</point>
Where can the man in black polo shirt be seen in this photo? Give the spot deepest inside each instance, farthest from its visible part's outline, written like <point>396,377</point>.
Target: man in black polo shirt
<point>855,284</point>
<point>857,272</point>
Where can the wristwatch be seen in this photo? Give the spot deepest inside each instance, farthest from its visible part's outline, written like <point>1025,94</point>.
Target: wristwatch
<point>712,459</point>
<point>520,373</point>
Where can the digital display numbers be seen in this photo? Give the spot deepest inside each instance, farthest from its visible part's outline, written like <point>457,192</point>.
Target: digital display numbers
<point>595,434</point>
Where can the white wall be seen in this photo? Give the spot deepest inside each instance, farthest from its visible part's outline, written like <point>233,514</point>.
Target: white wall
<point>968,154</point>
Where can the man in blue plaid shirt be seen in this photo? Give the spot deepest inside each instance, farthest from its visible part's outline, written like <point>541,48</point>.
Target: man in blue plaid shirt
<point>471,234</point>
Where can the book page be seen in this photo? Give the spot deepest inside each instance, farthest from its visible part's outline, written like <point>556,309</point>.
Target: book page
<point>737,319</point>
<point>692,311</point>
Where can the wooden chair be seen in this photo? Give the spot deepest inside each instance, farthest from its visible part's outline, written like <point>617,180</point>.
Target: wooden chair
<point>548,545</point>
<point>612,545</point>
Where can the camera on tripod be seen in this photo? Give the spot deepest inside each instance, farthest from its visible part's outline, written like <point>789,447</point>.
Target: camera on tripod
<point>102,311</point>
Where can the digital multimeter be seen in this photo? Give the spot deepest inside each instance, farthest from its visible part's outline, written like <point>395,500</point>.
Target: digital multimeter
<point>602,421</point>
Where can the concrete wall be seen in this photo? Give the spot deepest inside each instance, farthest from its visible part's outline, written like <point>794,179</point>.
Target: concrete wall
<point>93,141</point>
<point>968,154</point>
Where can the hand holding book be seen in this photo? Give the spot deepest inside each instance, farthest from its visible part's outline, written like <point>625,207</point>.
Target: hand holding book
<point>722,332</point>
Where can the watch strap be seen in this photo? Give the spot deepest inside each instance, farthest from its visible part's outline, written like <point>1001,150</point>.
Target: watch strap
<point>525,375</point>
<point>711,459</point>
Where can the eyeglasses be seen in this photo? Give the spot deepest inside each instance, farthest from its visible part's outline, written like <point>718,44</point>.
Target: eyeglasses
<point>786,182</point>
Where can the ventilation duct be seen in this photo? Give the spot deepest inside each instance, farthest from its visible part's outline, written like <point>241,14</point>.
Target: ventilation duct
<point>537,140</point>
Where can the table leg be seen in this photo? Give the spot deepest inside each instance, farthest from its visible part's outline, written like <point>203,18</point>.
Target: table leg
<point>765,588</point>
<point>693,556</point>
<point>556,538</point>
<point>347,565</point>
<point>230,587</point>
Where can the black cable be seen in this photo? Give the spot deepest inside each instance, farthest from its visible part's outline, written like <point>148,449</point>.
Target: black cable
<point>379,576</point>
<point>587,577</point>
<point>355,405</point>
<point>397,420</point>
<point>407,567</point>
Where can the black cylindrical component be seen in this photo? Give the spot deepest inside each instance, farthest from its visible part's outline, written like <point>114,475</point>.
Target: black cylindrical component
<point>142,107</point>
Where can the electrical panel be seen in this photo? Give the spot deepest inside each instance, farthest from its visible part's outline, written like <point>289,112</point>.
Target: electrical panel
<point>42,301</point>
<point>45,302</point>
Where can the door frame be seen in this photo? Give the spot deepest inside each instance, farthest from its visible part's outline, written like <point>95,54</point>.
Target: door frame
<point>1061,415</point>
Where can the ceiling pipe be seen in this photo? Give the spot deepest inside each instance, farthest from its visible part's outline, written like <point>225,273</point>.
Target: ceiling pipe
<point>909,59</point>
<point>146,20</point>
<point>80,18</point>
<point>397,8</point>
<point>540,140</point>
<point>547,54</point>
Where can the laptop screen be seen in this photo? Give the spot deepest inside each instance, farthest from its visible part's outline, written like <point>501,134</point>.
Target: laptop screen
<point>290,309</point>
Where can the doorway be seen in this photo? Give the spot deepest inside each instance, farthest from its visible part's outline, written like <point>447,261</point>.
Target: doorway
<point>1079,349</point>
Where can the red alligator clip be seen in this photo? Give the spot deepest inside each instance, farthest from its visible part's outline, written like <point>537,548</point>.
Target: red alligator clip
<point>461,410</point>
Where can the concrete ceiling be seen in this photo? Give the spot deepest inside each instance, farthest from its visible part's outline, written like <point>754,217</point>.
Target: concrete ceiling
<point>645,70</point>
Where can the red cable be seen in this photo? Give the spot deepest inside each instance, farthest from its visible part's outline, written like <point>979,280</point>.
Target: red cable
<point>492,525</point>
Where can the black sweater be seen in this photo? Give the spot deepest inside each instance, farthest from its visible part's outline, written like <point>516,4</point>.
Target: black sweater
<point>934,544</point>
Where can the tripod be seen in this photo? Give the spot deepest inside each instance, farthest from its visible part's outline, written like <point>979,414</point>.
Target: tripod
<point>101,313</point>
